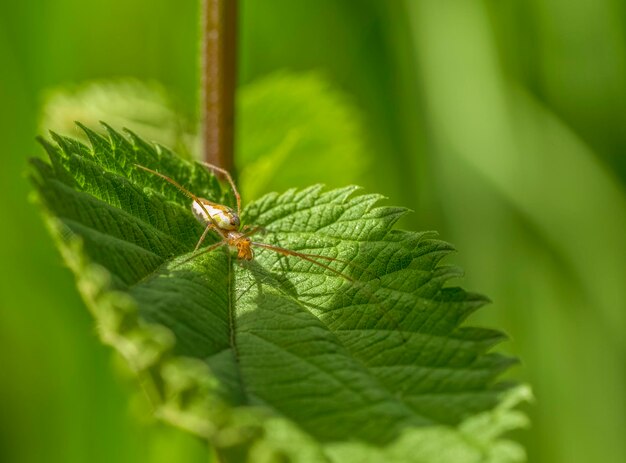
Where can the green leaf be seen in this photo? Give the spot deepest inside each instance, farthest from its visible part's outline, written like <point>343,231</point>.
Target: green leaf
<point>294,130</point>
<point>145,107</point>
<point>279,359</point>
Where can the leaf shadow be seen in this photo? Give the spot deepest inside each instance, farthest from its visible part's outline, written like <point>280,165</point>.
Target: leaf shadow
<point>336,397</point>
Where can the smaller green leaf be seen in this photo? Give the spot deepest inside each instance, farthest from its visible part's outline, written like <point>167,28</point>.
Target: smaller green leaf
<point>294,130</point>
<point>141,106</point>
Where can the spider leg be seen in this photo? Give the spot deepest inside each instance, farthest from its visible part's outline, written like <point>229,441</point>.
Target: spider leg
<point>226,174</point>
<point>209,226</point>
<point>187,193</point>
<point>204,251</point>
<point>308,257</point>
<point>311,258</point>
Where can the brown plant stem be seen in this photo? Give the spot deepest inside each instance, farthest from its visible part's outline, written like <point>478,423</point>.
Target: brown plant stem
<point>219,31</point>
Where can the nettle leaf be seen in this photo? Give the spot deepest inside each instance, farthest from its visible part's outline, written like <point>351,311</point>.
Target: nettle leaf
<point>279,359</point>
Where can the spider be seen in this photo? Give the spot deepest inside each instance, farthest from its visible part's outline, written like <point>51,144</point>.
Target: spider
<point>224,221</point>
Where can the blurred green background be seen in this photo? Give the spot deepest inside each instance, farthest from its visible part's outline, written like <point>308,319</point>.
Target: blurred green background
<point>501,123</point>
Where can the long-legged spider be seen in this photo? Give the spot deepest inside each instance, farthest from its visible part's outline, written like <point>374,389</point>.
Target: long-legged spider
<point>225,222</point>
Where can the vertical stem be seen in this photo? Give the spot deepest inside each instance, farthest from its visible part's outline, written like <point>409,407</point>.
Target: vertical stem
<point>219,24</point>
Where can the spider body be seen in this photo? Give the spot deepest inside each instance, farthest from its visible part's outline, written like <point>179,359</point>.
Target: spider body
<point>225,222</point>
<point>240,243</point>
<point>208,212</point>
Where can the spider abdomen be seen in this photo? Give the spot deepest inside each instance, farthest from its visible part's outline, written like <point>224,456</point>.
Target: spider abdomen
<point>221,216</point>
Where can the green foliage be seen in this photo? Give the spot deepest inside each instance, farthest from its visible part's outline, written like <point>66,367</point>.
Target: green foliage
<point>296,129</point>
<point>278,359</point>
<point>146,108</point>
<point>283,141</point>
<point>288,141</point>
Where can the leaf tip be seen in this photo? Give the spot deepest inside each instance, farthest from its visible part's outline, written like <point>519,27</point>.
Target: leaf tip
<point>91,134</point>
